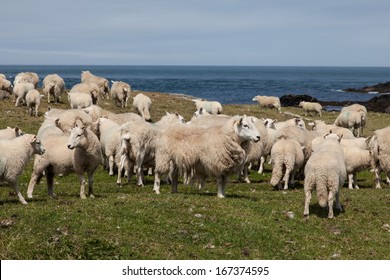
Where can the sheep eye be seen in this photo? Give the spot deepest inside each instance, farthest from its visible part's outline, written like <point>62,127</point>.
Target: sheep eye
<point>246,126</point>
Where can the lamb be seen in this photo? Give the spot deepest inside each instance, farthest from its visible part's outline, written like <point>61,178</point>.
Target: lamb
<point>92,89</point>
<point>311,107</point>
<point>10,133</point>
<point>379,146</point>
<point>352,120</point>
<point>20,91</point>
<point>33,100</point>
<point>78,152</point>
<point>120,93</point>
<point>287,157</point>
<point>323,128</point>
<point>79,100</point>
<point>325,170</point>
<point>21,148</point>
<point>211,107</point>
<point>53,85</point>
<point>268,102</point>
<point>27,77</point>
<point>142,103</point>
<point>193,150</point>
<point>88,77</point>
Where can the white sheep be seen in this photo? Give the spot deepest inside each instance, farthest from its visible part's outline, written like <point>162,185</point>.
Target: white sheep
<point>66,119</point>
<point>357,108</point>
<point>88,77</point>
<point>311,107</point>
<point>201,112</point>
<point>96,112</point>
<point>5,84</point>
<point>268,102</point>
<point>27,77</point>
<point>356,160</point>
<point>20,91</point>
<point>287,157</point>
<point>352,120</point>
<point>192,150</point>
<point>211,107</point>
<point>142,103</point>
<point>120,93</point>
<point>379,146</point>
<point>325,171</point>
<point>79,100</point>
<point>15,154</point>
<point>91,88</point>
<point>33,100</point>
<point>322,128</point>
<point>10,133</point>
<point>53,85</point>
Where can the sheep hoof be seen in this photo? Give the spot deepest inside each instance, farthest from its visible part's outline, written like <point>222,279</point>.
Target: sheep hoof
<point>91,196</point>
<point>247,181</point>
<point>82,196</point>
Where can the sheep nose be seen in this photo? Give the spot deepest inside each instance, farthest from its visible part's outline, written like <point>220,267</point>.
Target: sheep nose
<point>257,139</point>
<point>69,146</point>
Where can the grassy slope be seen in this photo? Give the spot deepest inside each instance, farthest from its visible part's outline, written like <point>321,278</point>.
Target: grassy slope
<point>134,223</point>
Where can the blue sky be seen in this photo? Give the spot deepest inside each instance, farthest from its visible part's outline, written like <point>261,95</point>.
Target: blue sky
<point>196,32</point>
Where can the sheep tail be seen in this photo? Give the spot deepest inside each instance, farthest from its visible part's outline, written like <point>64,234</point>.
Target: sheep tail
<point>322,191</point>
<point>277,173</point>
<point>146,113</point>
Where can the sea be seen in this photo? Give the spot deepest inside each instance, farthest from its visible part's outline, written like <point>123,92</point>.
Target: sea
<point>226,84</point>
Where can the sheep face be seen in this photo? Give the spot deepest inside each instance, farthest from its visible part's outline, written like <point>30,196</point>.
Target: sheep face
<point>77,138</point>
<point>246,130</point>
<point>37,146</point>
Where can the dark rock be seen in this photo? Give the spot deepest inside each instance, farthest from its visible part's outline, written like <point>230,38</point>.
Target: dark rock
<point>379,88</point>
<point>292,100</point>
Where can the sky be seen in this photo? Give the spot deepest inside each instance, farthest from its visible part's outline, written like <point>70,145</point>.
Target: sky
<point>196,32</point>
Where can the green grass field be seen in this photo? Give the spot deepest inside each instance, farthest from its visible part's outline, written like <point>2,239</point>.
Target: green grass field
<point>133,223</point>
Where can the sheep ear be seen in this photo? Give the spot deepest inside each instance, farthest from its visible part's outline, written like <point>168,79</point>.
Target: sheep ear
<point>79,124</point>
<point>330,131</point>
<point>177,114</point>
<point>340,137</point>
<point>17,129</point>
<point>33,139</point>
<point>58,123</point>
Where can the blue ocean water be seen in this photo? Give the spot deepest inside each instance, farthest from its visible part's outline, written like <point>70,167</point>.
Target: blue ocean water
<point>226,84</point>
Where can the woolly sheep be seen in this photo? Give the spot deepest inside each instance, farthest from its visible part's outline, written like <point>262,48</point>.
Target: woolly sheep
<point>20,91</point>
<point>287,157</point>
<point>201,112</point>
<point>5,84</point>
<point>271,134</point>
<point>33,100</point>
<point>27,77</point>
<point>88,77</point>
<point>120,93</point>
<point>92,89</point>
<point>325,171</point>
<point>291,122</point>
<point>142,103</point>
<point>53,85</point>
<point>10,133</point>
<point>209,120</point>
<point>96,112</point>
<point>193,150</point>
<point>66,119</point>
<point>20,148</point>
<point>311,107</point>
<point>4,94</point>
<point>79,100</point>
<point>357,108</point>
<point>323,128</point>
<point>352,120</point>
<point>211,107</point>
<point>356,160</point>
<point>268,102</point>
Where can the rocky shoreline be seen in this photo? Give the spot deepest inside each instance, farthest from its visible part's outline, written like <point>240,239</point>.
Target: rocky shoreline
<point>379,103</point>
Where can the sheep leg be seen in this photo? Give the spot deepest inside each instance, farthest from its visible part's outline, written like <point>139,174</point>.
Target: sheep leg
<point>111,165</point>
<point>16,189</point>
<point>330,204</point>
<point>355,180</point>
<point>261,165</point>
<point>221,182</point>
<point>139,162</point>
<point>82,186</point>
<point>50,182</point>
<point>35,177</point>
<point>307,203</point>
<point>156,187</point>
<point>377,171</point>
<point>286,178</point>
<point>90,185</point>
<point>175,179</point>
<point>350,181</point>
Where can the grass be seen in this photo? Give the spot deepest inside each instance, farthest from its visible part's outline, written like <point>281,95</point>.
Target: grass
<point>133,223</point>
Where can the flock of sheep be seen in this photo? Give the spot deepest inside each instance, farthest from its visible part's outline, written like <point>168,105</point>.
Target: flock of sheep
<point>79,139</point>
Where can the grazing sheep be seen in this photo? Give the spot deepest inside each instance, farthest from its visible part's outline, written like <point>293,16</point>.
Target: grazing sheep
<point>268,102</point>
<point>322,128</point>
<point>20,91</point>
<point>120,93</point>
<point>92,89</point>
<point>201,112</point>
<point>142,103</point>
<point>357,108</point>
<point>88,78</point>
<point>325,170</point>
<point>287,157</point>
<point>33,100</point>
<point>27,77</point>
<point>87,155</point>
<point>356,160</point>
<point>10,133</point>
<point>311,107</point>
<point>352,120</point>
<point>14,156</point>
<point>66,119</point>
<point>4,94</point>
<point>211,107</point>
<point>193,150</point>
<point>79,100</point>
<point>379,146</point>
<point>96,112</point>
<point>5,84</point>
<point>53,85</point>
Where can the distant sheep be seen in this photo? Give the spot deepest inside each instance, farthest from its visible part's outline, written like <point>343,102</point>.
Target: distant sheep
<point>20,91</point>
<point>326,172</point>
<point>211,107</point>
<point>53,85</point>
<point>323,128</point>
<point>142,103</point>
<point>120,93</point>
<point>27,77</point>
<point>15,154</point>
<point>91,88</point>
<point>311,107</point>
<point>88,77</point>
<point>33,100</point>
<point>268,101</point>
<point>79,100</point>
<point>96,112</point>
